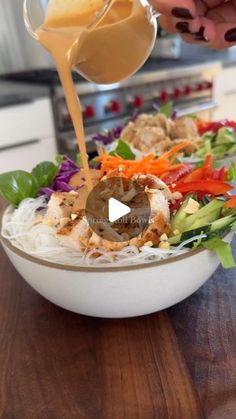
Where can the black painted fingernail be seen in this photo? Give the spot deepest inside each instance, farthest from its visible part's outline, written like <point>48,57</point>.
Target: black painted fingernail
<point>183,27</point>
<point>181,13</point>
<point>199,36</point>
<point>230,35</point>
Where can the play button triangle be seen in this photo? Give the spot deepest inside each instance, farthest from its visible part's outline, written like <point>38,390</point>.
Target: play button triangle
<point>116,210</point>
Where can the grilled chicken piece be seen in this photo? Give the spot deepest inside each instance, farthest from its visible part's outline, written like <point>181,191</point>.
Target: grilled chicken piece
<point>190,149</point>
<point>158,194</point>
<point>143,138</point>
<point>159,225</point>
<point>184,128</point>
<point>151,183</point>
<point>99,243</point>
<point>60,206</point>
<point>158,134</point>
<point>162,121</point>
<point>75,234</point>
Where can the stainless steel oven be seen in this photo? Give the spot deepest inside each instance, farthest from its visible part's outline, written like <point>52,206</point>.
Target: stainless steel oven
<point>190,88</point>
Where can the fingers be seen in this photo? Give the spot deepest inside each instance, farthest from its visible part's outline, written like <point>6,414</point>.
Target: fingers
<point>182,19</point>
<point>167,24</point>
<point>183,9</point>
<point>174,25</point>
<point>225,35</point>
<point>200,21</point>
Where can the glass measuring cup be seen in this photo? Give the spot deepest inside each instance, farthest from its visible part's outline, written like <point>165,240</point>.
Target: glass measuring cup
<point>112,44</point>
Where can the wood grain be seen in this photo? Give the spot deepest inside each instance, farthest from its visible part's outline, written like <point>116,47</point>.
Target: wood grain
<point>55,364</point>
<point>206,328</point>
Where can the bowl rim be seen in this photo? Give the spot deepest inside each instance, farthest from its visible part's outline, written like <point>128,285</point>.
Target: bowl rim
<point>64,267</point>
<point>106,268</point>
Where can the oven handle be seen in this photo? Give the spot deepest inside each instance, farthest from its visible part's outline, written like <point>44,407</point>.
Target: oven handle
<point>22,144</point>
<point>200,107</point>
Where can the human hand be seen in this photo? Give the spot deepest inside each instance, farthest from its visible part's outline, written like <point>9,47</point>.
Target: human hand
<point>210,22</point>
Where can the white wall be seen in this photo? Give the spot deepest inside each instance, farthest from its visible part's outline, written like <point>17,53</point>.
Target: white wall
<point>18,51</point>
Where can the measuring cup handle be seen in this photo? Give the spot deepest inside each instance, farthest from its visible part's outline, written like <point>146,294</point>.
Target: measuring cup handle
<point>155,14</point>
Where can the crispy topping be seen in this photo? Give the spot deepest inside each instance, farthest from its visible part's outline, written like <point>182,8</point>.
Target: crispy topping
<point>164,245</point>
<point>192,206</point>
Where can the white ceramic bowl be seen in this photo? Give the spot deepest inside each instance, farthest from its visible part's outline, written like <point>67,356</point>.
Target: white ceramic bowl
<point>116,292</point>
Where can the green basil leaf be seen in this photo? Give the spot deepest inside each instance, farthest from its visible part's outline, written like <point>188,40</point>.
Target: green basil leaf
<point>44,173</point>
<point>16,186</point>
<point>223,251</point>
<point>123,150</point>
<point>167,109</point>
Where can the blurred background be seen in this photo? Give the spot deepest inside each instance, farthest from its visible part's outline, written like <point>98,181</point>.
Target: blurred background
<point>35,123</point>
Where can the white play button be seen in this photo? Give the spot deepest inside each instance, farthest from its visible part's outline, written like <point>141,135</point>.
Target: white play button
<point>117,210</point>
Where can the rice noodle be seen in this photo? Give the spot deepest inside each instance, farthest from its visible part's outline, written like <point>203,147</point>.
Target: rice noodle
<point>22,228</point>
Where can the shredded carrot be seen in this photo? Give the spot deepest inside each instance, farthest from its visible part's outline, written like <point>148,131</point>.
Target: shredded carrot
<point>174,150</point>
<point>147,165</point>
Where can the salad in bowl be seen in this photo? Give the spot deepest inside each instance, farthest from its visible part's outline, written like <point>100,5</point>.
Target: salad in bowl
<point>47,234</point>
<point>160,131</point>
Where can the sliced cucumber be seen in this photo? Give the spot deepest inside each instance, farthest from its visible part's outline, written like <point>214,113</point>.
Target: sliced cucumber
<point>199,222</point>
<point>226,135</point>
<point>204,212</point>
<point>232,150</point>
<point>175,240</point>
<point>178,220</point>
<point>222,223</point>
<point>218,225</point>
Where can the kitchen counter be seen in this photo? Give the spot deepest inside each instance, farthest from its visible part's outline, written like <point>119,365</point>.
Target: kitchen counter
<point>13,93</point>
<point>179,364</point>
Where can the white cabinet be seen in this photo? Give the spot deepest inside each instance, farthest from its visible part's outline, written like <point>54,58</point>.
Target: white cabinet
<point>225,94</point>
<point>26,135</point>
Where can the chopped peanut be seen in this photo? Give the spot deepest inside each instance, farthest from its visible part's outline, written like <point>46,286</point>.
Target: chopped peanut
<point>150,244</point>
<point>164,245</point>
<point>176,195</point>
<point>192,206</point>
<point>164,238</point>
<point>134,241</point>
<point>48,222</point>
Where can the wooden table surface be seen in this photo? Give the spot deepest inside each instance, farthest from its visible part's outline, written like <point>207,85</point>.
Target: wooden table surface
<point>177,364</point>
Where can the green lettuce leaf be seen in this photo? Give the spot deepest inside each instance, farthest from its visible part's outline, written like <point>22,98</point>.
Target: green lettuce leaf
<point>167,109</point>
<point>123,150</point>
<point>223,251</point>
<point>225,135</point>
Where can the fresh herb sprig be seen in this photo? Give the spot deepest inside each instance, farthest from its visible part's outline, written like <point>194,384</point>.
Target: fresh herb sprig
<point>18,185</point>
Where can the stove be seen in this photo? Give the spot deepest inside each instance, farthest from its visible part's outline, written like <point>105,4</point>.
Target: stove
<point>188,84</point>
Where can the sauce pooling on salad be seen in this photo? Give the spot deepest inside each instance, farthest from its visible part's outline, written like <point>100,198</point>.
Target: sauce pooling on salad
<point>98,48</point>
